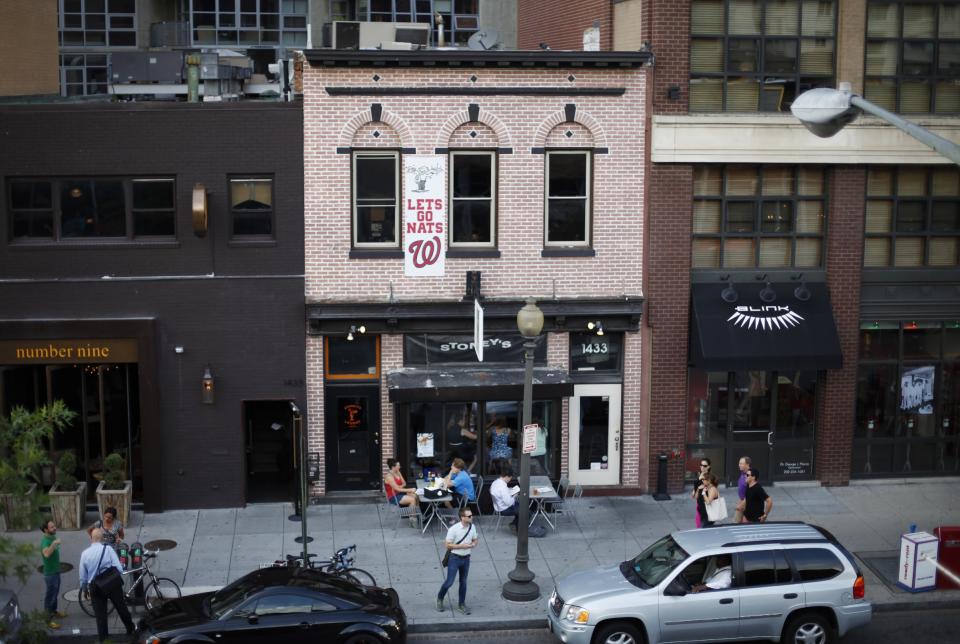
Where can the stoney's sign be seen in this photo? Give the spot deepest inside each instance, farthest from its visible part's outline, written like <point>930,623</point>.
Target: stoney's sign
<point>424,214</point>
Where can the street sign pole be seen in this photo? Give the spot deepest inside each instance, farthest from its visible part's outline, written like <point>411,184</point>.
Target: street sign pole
<point>478,330</point>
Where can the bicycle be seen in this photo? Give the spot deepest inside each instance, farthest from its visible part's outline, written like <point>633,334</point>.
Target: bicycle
<point>156,590</point>
<point>339,565</point>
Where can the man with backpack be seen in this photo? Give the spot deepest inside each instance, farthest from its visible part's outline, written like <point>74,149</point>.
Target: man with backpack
<point>96,560</point>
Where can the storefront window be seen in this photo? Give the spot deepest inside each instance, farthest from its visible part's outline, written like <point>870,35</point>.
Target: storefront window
<point>907,400</point>
<point>485,435</point>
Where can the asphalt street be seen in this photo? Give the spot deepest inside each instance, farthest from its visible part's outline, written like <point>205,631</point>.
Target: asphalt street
<point>902,627</point>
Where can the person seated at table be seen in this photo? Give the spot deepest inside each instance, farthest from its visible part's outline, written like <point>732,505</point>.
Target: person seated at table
<point>459,482</point>
<point>504,497</point>
<point>395,485</point>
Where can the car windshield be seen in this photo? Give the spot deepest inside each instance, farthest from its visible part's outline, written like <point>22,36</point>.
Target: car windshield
<point>229,596</point>
<point>653,564</point>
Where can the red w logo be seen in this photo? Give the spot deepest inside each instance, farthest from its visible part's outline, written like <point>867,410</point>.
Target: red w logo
<point>425,251</point>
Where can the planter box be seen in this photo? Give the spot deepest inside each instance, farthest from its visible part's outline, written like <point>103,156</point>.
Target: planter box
<point>18,509</point>
<point>119,499</point>
<point>68,508</point>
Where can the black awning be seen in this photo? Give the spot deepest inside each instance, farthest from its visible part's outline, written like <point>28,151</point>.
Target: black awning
<point>410,384</point>
<point>786,333</point>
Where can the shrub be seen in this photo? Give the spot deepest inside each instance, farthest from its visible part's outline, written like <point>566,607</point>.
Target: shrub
<point>66,480</point>
<point>114,472</point>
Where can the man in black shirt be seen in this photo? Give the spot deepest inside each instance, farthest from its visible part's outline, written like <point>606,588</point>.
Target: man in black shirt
<point>757,503</point>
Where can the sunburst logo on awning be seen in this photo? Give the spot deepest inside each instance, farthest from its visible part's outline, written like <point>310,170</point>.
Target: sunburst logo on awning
<point>766,318</point>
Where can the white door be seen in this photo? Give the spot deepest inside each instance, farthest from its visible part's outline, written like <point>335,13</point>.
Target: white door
<point>594,446</point>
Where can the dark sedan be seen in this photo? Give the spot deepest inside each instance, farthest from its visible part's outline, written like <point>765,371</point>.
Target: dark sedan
<point>280,605</point>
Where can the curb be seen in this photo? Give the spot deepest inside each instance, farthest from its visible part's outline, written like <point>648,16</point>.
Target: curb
<point>476,625</point>
<point>894,607</point>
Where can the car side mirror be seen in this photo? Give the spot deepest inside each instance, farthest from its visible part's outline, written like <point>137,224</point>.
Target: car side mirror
<point>676,588</point>
<point>252,618</point>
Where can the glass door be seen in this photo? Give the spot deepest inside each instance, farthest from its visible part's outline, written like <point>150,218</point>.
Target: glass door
<point>594,447</point>
<point>751,432</point>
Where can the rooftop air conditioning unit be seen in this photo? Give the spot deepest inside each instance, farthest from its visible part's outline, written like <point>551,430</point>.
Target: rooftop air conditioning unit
<point>373,35</point>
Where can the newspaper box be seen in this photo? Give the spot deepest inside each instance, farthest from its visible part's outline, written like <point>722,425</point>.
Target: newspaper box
<point>918,551</point>
<point>948,555</point>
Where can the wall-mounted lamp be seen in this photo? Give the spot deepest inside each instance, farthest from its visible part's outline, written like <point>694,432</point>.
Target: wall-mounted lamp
<point>596,327</point>
<point>802,293</point>
<point>767,294</point>
<point>729,293</point>
<point>178,349</point>
<point>354,329</point>
<point>206,386</point>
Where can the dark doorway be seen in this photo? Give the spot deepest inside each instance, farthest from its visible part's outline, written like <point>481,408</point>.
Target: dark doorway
<point>268,436</point>
<point>353,437</point>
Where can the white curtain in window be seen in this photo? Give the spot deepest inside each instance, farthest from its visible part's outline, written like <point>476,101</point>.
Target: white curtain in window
<point>808,253</point>
<point>883,20</point>
<point>816,56</point>
<point>879,216</point>
<point>706,17</point>
<point>741,180</point>
<point>745,17</point>
<point>738,253</point>
<point>706,217</point>
<point>919,20</point>
<point>707,181</point>
<point>880,182</point>
<point>706,55</point>
<point>777,182</point>
<point>817,18</point>
<point>946,182</point>
<point>876,252</point>
<point>949,20</point>
<point>810,217</point>
<point>908,251</point>
<point>706,95</point>
<point>706,253</point>
<point>783,18</point>
<point>775,253</point>
<point>943,251</point>
<point>947,99</point>
<point>811,182</point>
<point>911,182</point>
<point>883,92</point>
<point>882,58</point>
<point>743,95</point>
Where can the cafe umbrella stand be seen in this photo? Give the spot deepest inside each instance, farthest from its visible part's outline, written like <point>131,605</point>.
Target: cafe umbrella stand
<point>521,587</point>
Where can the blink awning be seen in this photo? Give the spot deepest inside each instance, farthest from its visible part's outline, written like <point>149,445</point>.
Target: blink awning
<point>458,383</point>
<point>751,334</point>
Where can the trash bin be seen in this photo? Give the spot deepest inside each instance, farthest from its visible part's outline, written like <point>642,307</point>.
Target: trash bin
<point>916,572</point>
<point>948,555</point>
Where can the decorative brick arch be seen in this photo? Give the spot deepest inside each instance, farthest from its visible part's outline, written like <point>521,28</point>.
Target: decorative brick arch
<point>558,118</point>
<point>364,117</point>
<point>463,117</point>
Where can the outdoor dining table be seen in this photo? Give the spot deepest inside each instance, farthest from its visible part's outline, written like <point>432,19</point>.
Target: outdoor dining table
<point>430,511</point>
<point>542,492</point>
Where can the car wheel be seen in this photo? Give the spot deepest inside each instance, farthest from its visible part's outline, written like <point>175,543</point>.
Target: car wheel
<point>619,633</point>
<point>363,638</point>
<point>808,628</point>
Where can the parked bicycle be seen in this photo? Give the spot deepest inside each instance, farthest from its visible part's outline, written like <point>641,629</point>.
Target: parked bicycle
<point>339,565</point>
<point>156,589</point>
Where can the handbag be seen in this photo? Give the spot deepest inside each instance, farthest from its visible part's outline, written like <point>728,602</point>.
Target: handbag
<point>109,580</point>
<point>717,510</point>
<point>446,555</point>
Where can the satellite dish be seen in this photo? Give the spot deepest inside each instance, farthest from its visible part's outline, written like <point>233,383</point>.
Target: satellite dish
<point>484,39</point>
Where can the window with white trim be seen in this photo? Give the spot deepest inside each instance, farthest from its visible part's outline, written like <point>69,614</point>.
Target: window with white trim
<point>567,186</point>
<point>473,181</point>
<point>376,199</point>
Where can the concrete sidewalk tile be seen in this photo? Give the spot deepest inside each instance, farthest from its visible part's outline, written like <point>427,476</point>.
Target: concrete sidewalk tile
<point>402,574</point>
<point>538,567</point>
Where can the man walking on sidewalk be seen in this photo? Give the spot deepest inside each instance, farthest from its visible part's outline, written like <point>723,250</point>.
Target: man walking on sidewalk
<point>50,553</point>
<point>757,503</point>
<point>461,539</point>
<point>94,560</point>
<point>745,464</point>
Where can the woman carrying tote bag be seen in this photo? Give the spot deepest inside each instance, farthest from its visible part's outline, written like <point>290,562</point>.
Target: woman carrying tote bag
<point>709,499</point>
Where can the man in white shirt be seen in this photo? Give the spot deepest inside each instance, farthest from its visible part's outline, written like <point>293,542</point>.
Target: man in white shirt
<point>461,539</point>
<point>721,579</point>
<point>504,498</point>
<point>94,560</point>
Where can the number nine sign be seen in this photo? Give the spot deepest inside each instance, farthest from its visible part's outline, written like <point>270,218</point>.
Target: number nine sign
<point>424,214</point>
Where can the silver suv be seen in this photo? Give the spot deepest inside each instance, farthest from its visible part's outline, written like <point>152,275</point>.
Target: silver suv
<point>791,582</point>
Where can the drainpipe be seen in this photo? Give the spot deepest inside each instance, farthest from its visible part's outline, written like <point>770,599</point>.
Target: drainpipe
<point>193,78</point>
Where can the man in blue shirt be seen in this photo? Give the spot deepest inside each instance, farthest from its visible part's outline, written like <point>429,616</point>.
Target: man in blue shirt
<point>94,560</point>
<point>459,482</point>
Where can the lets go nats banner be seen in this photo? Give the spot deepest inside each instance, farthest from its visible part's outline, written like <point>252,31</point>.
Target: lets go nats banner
<point>424,214</point>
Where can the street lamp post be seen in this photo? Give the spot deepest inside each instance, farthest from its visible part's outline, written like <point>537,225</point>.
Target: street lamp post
<point>825,111</point>
<point>521,587</point>
<point>301,438</point>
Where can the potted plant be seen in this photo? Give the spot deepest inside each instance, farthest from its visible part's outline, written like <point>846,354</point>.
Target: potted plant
<point>22,454</point>
<point>68,497</point>
<point>115,490</point>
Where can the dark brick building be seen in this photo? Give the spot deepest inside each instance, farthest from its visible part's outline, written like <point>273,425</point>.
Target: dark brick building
<point>146,247</point>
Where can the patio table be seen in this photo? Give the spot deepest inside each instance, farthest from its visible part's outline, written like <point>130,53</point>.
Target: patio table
<point>545,493</point>
<point>430,511</point>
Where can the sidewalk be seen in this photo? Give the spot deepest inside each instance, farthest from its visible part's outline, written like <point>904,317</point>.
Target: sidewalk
<point>217,546</point>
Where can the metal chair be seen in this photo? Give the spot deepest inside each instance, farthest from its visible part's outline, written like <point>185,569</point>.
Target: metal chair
<point>477,489</point>
<point>563,491</point>
<point>449,516</point>
<point>406,512</point>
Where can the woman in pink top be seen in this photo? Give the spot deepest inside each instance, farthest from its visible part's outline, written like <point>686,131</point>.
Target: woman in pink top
<point>394,484</point>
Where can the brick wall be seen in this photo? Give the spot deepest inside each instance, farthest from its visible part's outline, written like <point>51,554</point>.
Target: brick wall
<point>28,48</point>
<point>844,259</point>
<point>543,21</point>
<point>516,122</point>
<point>668,301</point>
<point>670,42</point>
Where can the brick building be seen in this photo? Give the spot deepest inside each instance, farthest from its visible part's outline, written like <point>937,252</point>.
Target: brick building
<point>748,209</point>
<point>538,158</point>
